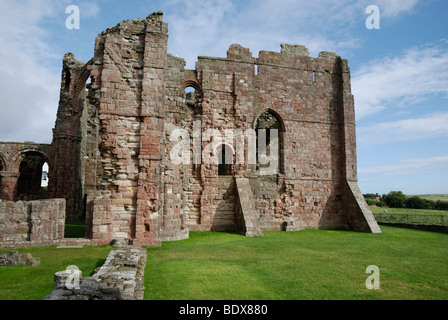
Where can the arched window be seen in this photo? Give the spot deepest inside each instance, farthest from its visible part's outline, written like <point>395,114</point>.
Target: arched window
<point>225,160</point>
<point>30,179</point>
<point>190,97</point>
<point>269,130</point>
<point>44,181</point>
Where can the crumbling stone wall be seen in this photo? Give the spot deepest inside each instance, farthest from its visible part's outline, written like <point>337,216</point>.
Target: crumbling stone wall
<point>113,144</point>
<point>31,223</point>
<point>13,258</point>
<point>121,277</point>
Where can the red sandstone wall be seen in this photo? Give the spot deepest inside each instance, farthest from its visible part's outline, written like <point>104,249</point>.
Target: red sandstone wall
<point>124,125</point>
<point>31,223</point>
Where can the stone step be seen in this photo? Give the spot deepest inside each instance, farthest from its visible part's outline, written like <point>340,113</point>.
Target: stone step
<point>73,243</point>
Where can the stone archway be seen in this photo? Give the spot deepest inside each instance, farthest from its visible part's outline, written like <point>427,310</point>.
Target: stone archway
<point>29,184</point>
<point>270,130</point>
<point>23,162</point>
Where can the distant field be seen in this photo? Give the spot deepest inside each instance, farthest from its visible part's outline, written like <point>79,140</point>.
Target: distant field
<point>376,209</point>
<point>434,197</point>
<point>414,216</point>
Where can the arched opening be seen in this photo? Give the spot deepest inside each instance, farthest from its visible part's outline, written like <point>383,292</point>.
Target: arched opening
<point>45,178</point>
<point>270,131</point>
<point>190,96</point>
<point>87,159</point>
<point>225,160</point>
<point>29,185</point>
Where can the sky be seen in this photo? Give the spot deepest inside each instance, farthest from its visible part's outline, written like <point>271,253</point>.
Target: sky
<point>398,57</point>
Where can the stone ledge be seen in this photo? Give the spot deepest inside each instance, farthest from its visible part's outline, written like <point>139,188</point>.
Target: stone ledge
<point>120,278</point>
<point>13,258</point>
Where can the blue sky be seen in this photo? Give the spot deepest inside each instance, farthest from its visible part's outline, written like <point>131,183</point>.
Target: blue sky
<point>399,72</point>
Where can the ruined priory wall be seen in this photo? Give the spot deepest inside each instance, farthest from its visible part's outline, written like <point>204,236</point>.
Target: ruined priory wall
<point>134,198</point>
<point>119,68</point>
<point>306,94</point>
<point>31,223</point>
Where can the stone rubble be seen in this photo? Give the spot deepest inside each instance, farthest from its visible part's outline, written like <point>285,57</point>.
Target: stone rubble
<point>13,258</point>
<point>120,278</point>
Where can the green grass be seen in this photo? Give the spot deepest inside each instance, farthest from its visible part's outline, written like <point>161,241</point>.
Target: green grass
<point>34,283</point>
<point>310,264</point>
<point>75,229</point>
<point>412,216</point>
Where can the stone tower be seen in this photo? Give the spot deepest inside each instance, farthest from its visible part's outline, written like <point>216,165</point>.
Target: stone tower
<point>142,159</point>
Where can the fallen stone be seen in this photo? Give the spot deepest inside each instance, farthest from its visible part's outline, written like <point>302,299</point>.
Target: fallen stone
<point>14,258</point>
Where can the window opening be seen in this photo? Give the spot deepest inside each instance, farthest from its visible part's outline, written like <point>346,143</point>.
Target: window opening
<point>190,97</point>
<point>225,160</point>
<point>44,181</point>
<point>269,143</point>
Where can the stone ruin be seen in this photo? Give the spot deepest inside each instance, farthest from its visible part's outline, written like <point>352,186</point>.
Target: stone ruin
<point>146,150</point>
<point>13,258</point>
<point>121,277</point>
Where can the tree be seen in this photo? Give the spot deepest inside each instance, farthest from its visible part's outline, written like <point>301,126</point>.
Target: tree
<point>441,205</point>
<point>415,202</point>
<point>395,199</point>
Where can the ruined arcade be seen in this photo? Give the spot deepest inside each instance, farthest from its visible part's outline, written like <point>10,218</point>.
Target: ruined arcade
<point>116,138</point>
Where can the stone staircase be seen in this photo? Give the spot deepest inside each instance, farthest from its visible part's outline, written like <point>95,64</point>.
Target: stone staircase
<point>248,217</point>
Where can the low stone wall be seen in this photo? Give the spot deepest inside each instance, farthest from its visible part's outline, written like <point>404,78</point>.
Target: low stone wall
<point>120,278</point>
<point>31,223</point>
<point>13,258</point>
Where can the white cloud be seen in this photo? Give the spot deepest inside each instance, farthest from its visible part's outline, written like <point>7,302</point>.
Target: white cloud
<point>406,167</point>
<point>209,27</point>
<point>434,125</point>
<point>29,88</point>
<point>401,81</point>
<point>392,8</point>
<point>88,9</point>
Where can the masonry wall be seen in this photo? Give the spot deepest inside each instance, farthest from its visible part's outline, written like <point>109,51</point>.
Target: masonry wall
<point>114,143</point>
<point>16,185</point>
<point>31,223</point>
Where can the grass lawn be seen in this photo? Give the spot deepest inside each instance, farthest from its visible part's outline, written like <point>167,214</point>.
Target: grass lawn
<point>75,229</point>
<point>310,264</point>
<point>34,283</point>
